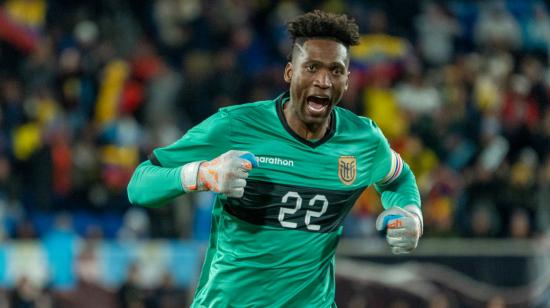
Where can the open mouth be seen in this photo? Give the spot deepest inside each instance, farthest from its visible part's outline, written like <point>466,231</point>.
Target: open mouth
<point>317,103</point>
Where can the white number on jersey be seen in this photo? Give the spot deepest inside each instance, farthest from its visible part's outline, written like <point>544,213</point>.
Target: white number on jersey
<point>309,213</point>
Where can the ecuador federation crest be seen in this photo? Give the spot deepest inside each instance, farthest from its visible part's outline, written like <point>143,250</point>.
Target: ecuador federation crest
<point>347,169</point>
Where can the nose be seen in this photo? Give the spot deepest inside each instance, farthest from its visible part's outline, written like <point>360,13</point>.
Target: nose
<point>322,80</point>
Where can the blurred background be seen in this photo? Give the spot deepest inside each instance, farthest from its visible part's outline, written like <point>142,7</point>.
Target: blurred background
<point>88,88</point>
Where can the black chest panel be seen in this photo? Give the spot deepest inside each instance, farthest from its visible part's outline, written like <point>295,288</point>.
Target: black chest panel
<point>292,207</point>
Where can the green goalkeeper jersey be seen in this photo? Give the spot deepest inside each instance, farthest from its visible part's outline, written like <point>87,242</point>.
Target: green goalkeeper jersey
<point>275,246</point>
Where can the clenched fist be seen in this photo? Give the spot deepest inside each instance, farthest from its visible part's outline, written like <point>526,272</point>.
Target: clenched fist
<point>225,174</point>
<point>404,227</point>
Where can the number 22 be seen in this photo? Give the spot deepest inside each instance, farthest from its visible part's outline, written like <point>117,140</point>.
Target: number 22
<point>309,213</point>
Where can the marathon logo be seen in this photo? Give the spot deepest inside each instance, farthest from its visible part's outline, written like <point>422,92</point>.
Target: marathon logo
<point>277,161</point>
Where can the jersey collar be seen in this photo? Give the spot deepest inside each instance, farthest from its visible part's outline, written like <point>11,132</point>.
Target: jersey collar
<point>280,100</point>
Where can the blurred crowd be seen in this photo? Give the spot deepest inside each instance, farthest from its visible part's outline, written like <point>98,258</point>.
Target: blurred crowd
<point>87,90</point>
<point>89,294</point>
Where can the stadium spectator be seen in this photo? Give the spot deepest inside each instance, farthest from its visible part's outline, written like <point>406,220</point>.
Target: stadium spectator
<point>496,27</point>
<point>537,30</point>
<point>417,97</point>
<point>167,295</point>
<point>131,294</point>
<point>437,31</point>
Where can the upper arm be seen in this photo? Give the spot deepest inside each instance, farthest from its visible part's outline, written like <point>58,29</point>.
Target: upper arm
<point>388,164</point>
<point>393,178</point>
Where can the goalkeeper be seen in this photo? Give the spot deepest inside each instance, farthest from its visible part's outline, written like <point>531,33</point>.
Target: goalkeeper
<point>287,171</point>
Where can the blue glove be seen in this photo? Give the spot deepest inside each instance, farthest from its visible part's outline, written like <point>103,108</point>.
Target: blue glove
<point>404,227</point>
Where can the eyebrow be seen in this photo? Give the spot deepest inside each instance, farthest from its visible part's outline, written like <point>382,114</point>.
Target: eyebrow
<point>331,64</point>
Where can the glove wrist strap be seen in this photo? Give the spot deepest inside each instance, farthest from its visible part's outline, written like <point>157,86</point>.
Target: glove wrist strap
<point>189,177</point>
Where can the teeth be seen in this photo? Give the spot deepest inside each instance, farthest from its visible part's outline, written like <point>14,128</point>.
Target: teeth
<point>316,106</point>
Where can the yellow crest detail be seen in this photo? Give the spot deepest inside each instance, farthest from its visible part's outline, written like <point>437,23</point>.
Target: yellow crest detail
<point>347,169</point>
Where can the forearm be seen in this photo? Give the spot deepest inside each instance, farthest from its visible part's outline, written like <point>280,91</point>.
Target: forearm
<point>401,192</point>
<point>153,186</point>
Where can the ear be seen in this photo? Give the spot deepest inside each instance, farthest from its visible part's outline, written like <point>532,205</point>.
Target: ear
<point>288,72</point>
<point>347,82</point>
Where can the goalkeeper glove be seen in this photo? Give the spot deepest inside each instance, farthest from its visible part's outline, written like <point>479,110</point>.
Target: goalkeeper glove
<point>225,174</point>
<point>404,227</point>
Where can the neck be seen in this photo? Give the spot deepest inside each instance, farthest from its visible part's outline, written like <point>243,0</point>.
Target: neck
<point>304,130</point>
